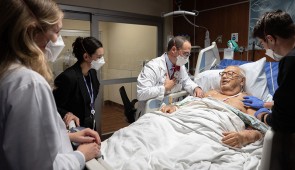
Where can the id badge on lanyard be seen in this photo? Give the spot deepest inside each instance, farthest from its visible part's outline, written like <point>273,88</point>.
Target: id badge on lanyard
<point>90,92</point>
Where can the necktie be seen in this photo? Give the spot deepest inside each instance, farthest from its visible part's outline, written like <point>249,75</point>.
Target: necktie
<point>174,68</point>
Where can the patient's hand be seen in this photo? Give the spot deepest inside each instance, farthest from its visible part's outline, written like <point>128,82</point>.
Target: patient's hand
<point>240,139</point>
<point>168,109</point>
<point>234,139</point>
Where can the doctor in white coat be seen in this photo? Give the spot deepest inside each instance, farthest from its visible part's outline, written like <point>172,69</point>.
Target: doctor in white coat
<point>166,74</point>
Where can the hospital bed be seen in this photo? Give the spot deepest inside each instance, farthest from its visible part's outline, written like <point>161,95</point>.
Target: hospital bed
<point>183,141</point>
<point>265,76</point>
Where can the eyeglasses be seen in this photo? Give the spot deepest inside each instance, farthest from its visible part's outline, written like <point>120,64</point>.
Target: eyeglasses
<point>229,74</point>
<point>185,53</point>
<point>260,44</point>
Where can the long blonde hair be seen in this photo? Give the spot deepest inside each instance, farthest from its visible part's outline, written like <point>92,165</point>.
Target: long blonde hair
<point>21,20</point>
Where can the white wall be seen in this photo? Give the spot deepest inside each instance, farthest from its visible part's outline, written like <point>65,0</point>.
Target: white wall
<point>126,47</point>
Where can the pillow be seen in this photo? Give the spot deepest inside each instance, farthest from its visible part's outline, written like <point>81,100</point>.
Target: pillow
<point>256,82</point>
<point>271,70</point>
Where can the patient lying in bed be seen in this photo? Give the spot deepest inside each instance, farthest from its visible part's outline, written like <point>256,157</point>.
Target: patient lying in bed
<point>197,136</point>
<point>231,85</point>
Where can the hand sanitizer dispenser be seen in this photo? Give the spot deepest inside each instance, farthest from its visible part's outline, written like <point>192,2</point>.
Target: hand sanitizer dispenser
<point>228,53</point>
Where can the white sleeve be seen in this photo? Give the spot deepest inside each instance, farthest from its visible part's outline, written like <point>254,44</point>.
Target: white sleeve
<point>65,161</point>
<point>188,84</point>
<point>149,83</point>
<point>35,135</point>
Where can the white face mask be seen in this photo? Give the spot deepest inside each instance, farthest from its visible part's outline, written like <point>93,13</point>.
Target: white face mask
<point>181,60</point>
<point>98,63</point>
<point>53,49</point>
<point>273,55</point>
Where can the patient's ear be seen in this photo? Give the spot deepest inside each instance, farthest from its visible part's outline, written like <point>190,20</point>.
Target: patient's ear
<point>243,82</point>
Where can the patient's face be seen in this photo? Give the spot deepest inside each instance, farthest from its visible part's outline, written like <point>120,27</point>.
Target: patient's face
<point>231,79</point>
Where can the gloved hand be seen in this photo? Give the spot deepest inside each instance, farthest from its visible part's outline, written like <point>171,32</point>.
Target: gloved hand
<point>253,102</point>
<point>261,110</point>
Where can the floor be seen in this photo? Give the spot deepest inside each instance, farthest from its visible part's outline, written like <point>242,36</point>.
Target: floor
<point>113,119</point>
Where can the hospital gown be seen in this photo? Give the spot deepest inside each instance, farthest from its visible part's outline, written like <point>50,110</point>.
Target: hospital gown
<point>32,133</point>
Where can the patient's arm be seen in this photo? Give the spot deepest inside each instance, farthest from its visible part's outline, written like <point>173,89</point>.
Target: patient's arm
<point>242,138</point>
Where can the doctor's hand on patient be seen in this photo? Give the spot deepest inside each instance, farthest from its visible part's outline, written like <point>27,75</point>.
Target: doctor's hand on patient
<point>69,117</point>
<point>253,102</point>
<point>169,84</point>
<point>256,103</point>
<point>90,142</point>
<point>198,92</point>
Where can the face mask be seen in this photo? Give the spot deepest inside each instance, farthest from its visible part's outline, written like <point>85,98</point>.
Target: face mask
<point>53,49</point>
<point>181,60</point>
<point>97,64</point>
<point>273,55</point>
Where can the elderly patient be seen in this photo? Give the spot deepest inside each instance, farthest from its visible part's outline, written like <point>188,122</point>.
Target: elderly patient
<point>231,92</point>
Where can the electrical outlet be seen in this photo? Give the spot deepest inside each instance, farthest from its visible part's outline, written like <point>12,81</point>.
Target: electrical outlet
<point>235,37</point>
<point>219,38</point>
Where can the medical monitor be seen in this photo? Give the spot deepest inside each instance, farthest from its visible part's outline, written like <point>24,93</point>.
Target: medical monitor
<point>208,58</point>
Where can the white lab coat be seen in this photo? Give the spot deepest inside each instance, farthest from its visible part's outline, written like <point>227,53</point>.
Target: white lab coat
<point>150,82</point>
<point>32,133</point>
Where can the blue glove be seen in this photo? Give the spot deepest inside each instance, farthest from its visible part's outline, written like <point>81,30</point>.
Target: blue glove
<point>253,102</point>
<point>261,110</point>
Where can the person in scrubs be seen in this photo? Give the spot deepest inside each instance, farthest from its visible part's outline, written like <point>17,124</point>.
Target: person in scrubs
<point>276,32</point>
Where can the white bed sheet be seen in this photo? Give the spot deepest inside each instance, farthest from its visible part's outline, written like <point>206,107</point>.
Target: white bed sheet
<point>157,142</point>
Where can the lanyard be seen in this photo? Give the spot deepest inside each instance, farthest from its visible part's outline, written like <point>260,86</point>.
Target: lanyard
<point>91,98</point>
<point>90,94</point>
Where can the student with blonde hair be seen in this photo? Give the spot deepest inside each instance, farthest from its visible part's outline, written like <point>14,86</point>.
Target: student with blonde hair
<point>32,133</point>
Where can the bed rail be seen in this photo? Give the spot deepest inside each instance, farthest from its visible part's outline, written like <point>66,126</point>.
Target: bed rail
<point>155,104</point>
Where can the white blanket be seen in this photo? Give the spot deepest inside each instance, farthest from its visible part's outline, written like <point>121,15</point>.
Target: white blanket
<point>190,138</point>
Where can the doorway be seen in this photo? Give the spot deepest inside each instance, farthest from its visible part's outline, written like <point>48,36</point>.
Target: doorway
<point>127,47</point>
<point>129,40</point>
